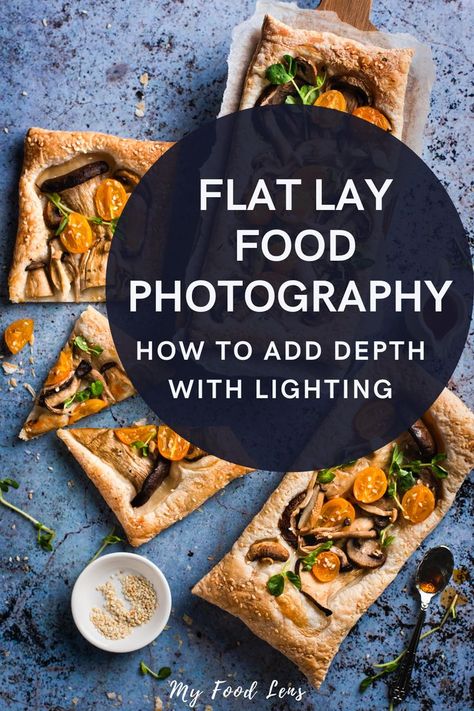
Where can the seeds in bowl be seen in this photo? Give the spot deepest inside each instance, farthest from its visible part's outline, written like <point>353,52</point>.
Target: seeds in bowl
<point>117,621</point>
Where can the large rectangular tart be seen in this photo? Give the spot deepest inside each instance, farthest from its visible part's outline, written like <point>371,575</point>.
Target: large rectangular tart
<point>344,550</point>
<point>335,72</point>
<point>73,187</point>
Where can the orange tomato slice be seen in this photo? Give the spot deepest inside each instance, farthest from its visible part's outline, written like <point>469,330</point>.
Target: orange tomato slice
<point>373,116</point>
<point>18,334</point>
<point>60,371</point>
<point>370,485</point>
<point>77,236</point>
<point>89,407</point>
<point>171,445</point>
<point>336,512</point>
<point>326,567</point>
<point>110,199</point>
<point>332,99</point>
<point>129,435</point>
<point>418,503</point>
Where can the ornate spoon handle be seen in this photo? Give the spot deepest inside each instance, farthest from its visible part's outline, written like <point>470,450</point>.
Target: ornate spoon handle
<point>402,681</point>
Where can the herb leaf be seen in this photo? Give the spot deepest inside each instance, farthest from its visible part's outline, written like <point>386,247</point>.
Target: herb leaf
<point>162,673</point>
<point>276,584</point>
<point>325,476</point>
<point>294,579</point>
<point>277,74</point>
<point>95,389</point>
<point>309,560</point>
<point>108,540</point>
<point>45,534</point>
<point>81,343</point>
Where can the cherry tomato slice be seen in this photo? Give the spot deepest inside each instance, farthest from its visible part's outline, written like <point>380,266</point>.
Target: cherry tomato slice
<point>370,485</point>
<point>368,113</point>
<point>110,199</point>
<point>171,445</point>
<point>129,435</point>
<point>332,99</point>
<point>89,407</point>
<point>18,334</point>
<point>418,503</point>
<point>77,237</point>
<point>336,512</point>
<point>326,567</point>
<point>62,369</point>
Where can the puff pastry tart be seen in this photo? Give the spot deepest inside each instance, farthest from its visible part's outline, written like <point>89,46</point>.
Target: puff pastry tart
<point>322,69</point>
<point>148,475</point>
<point>326,544</point>
<point>86,378</point>
<point>73,188</point>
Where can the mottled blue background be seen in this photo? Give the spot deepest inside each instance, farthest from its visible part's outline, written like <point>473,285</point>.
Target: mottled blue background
<point>77,66</point>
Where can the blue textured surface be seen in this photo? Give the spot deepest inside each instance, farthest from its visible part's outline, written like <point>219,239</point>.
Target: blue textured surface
<point>77,66</point>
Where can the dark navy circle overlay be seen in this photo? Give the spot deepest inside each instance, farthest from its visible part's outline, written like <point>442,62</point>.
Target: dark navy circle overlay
<point>162,235</point>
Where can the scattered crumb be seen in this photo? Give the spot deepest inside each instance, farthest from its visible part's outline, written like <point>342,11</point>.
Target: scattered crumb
<point>75,701</point>
<point>111,695</point>
<point>24,93</point>
<point>208,708</point>
<point>140,423</point>
<point>30,389</point>
<point>30,494</point>
<point>71,483</point>
<point>158,704</point>
<point>50,469</point>
<point>140,109</point>
<point>5,129</point>
<point>108,26</point>
<point>460,575</point>
<point>187,620</point>
<point>144,79</point>
<point>9,368</point>
<point>13,382</point>
<point>45,22</point>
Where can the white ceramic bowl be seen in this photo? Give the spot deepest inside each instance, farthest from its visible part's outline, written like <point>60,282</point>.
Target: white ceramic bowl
<point>85,596</point>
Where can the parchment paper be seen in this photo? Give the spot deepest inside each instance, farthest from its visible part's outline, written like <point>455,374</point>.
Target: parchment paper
<point>420,79</point>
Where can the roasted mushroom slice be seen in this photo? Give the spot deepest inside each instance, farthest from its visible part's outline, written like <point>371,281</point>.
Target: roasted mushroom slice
<point>423,438</point>
<point>128,179</point>
<point>355,90</point>
<point>51,215</point>
<point>308,595</point>
<point>366,554</point>
<point>74,177</point>
<point>267,549</point>
<point>346,566</point>
<point>154,479</point>
<point>285,523</point>
<point>382,509</point>
<point>306,70</point>
<point>273,95</point>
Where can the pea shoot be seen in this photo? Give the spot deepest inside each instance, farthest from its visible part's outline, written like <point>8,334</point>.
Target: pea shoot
<point>45,535</point>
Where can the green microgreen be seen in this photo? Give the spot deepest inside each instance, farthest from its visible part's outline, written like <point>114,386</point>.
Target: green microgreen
<point>45,535</point>
<point>108,540</point>
<point>162,673</point>
<point>66,211</point>
<point>81,343</point>
<point>401,474</point>
<point>95,389</point>
<point>309,560</point>
<point>285,71</point>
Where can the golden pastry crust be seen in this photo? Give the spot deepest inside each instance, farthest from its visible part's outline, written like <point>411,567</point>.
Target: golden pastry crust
<point>94,328</point>
<point>42,151</point>
<point>195,483</point>
<point>291,623</point>
<point>385,69</point>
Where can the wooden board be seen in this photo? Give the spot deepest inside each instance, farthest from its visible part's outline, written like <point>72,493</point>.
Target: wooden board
<point>354,12</point>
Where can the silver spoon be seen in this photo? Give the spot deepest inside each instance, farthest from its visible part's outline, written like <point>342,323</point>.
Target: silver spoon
<point>432,576</point>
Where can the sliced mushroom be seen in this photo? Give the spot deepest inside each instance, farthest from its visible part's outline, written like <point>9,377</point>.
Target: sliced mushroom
<point>273,95</point>
<point>37,283</point>
<point>57,396</point>
<point>366,554</point>
<point>154,479</point>
<point>194,453</point>
<point>423,438</point>
<point>355,89</point>
<point>107,366</point>
<point>60,275</point>
<point>83,369</point>
<point>128,179</point>
<point>362,527</point>
<point>74,177</point>
<point>269,549</point>
<point>379,510</point>
<point>345,565</point>
<point>310,516</point>
<point>285,524</point>
<point>306,70</point>
<point>38,264</point>
<point>51,215</point>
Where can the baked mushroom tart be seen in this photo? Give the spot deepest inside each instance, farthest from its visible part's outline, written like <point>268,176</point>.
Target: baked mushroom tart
<point>149,475</point>
<point>292,66</point>
<point>327,543</point>
<point>86,378</point>
<point>73,188</point>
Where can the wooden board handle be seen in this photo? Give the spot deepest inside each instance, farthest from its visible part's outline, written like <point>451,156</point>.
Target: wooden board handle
<point>355,12</point>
